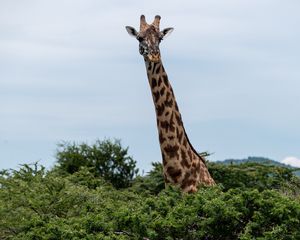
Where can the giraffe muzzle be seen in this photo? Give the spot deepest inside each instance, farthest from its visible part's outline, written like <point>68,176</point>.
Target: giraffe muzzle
<point>154,57</point>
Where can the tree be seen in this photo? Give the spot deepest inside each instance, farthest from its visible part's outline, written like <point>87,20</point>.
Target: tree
<point>36,204</point>
<point>255,175</point>
<point>105,159</point>
<point>152,183</point>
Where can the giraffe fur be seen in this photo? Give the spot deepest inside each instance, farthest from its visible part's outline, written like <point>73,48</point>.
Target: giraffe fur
<point>182,165</point>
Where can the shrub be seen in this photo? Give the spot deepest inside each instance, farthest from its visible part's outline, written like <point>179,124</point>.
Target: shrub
<point>35,204</point>
<point>105,159</point>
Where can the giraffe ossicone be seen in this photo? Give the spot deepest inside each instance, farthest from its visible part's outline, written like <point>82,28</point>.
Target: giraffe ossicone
<point>182,165</point>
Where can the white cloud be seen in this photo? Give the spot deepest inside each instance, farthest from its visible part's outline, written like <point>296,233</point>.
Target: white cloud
<point>293,161</point>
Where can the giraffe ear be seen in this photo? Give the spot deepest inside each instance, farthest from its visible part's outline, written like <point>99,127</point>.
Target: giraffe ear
<point>166,32</point>
<point>131,31</point>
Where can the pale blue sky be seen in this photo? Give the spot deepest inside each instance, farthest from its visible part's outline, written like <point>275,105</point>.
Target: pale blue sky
<point>70,72</point>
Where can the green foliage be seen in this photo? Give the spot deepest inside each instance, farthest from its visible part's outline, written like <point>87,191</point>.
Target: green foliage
<point>152,183</point>
<point>247,175</point>
<point>35,204</point>
<point>252,175</point>
<point>105,159</point>
<point>260,160</point>
<point>39,205</point>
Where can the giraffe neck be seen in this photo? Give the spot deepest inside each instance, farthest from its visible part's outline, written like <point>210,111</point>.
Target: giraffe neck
<point>181,163</point>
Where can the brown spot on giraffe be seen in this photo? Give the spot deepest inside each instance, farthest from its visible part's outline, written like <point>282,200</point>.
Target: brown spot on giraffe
<point>181,163</point>
<point>162,91</point>
<point>166,81</point>
<point>169,103</point>
<point>193,172</point>
<point>174,173</point>
<point>179,135</point>
<point>171,138</point>
<point>156,96</point>
<point>154,83</point>
<point>160,109</point>
<point>186,180</point>
<point>165,125</point>
<point>172,124</point>
<point>184,160</point>
<point>171,151</point>
<point>164,159</point>
<point>189,152</point>
<point>178,119</point>
<point>176,107</point>
<point>159,82</point>
<point>153,68</point>
<point>162,139</point>
<point>158,69</point>
<point>168,95</point>
<point>184,143</point>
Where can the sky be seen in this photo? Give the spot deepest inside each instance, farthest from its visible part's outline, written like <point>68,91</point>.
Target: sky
<point>70,72</point>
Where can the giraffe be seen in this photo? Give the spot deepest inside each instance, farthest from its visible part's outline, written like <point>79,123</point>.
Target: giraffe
<point>182,165</point>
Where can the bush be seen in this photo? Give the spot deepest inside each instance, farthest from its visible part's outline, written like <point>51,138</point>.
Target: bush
<point>105,159</point>
<point>152,183</point>
<point>35,204</point>
<point>241,176</point>
<point>255,176</point>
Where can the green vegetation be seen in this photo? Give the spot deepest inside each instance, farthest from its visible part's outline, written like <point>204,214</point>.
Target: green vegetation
<point>105,159</point>
<point>251,200</point>
<point>261,160</point>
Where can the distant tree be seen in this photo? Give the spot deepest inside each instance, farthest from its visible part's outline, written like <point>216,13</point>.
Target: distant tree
<point>106,159</point>
<point>255,175</point>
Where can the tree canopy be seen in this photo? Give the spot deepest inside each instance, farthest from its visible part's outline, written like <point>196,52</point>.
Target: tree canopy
<point>251,201</point>
<point>106,159</point>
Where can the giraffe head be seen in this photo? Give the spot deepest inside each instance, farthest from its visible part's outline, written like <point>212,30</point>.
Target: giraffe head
<point>149,38</point>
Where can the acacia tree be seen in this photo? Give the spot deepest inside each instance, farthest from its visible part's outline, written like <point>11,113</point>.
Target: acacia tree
<point>40,204</point>
<point>106,159</point>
